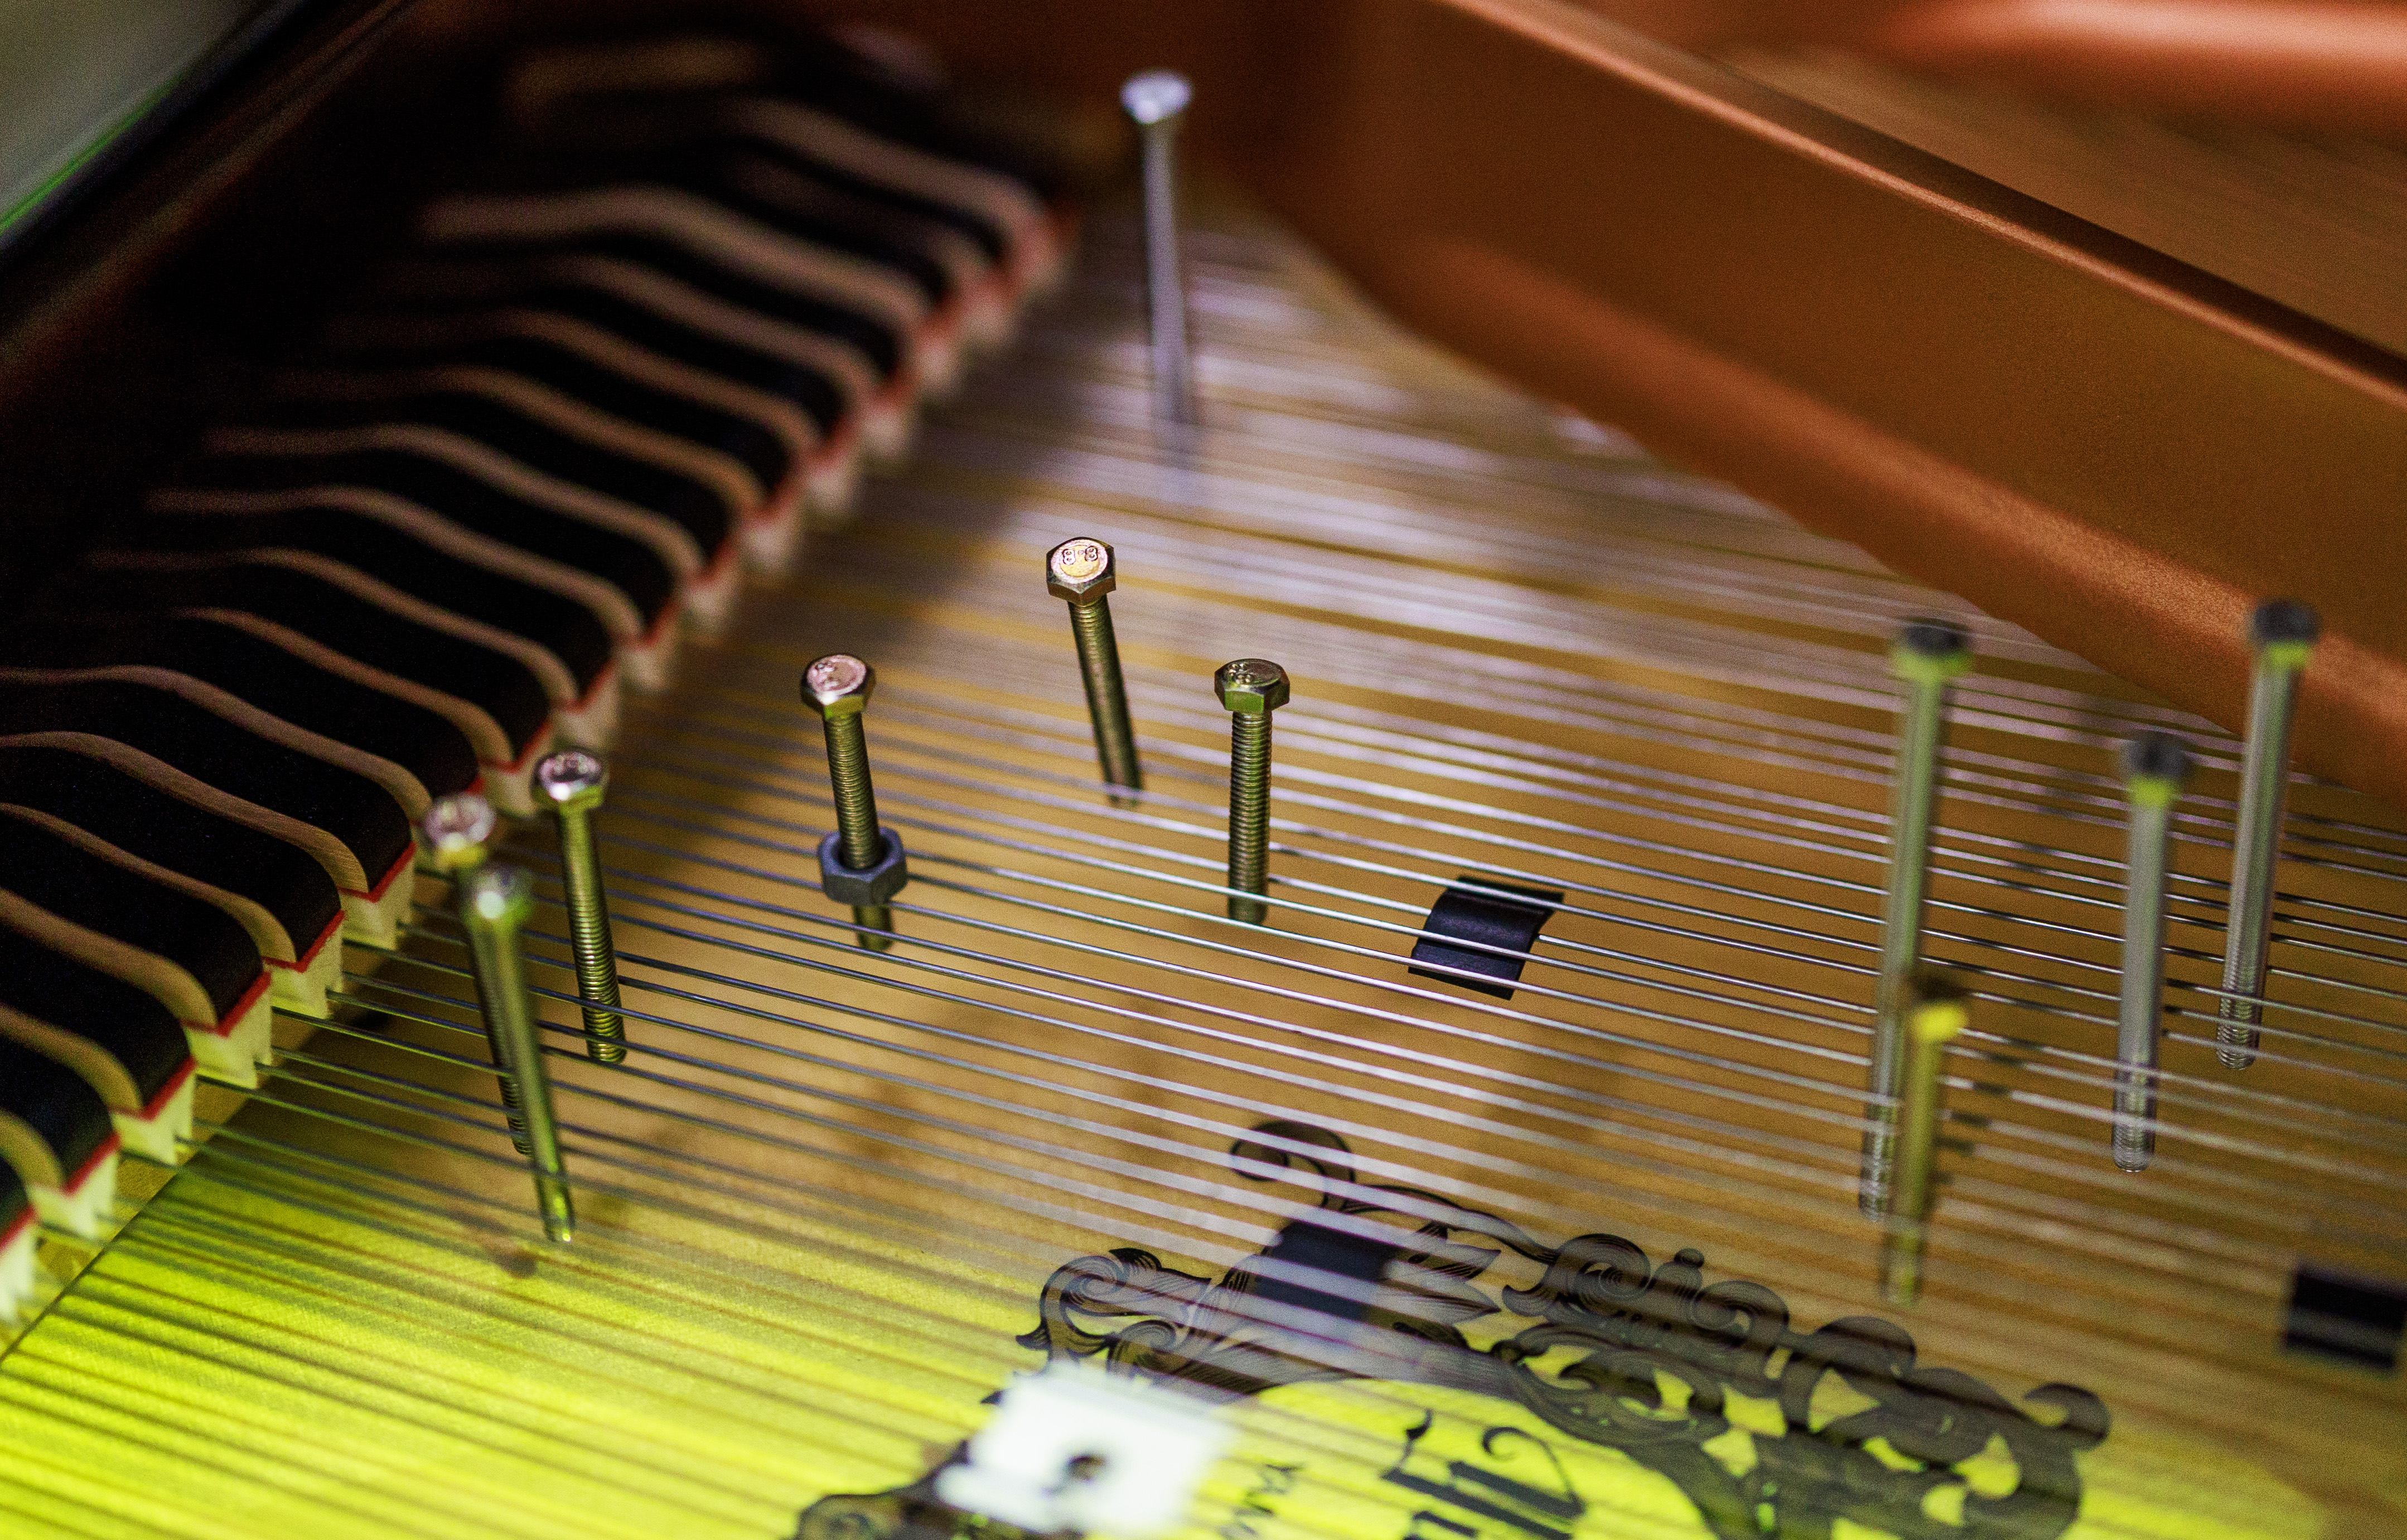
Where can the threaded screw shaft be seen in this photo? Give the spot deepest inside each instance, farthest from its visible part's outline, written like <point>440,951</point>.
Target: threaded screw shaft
<point>1099,667</point>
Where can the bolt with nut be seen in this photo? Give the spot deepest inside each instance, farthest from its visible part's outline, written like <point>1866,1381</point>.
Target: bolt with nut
<point>571,783</point>
<point>861,864</point>
<point>1082,573</point>
<point>1250,688</point>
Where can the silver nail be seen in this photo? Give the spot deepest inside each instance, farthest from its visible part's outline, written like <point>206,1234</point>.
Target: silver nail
<point>1157,101</point>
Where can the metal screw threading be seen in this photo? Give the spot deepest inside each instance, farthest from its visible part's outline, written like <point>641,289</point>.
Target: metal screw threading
<point>1250,688</point>
<point>1933,1019</point>
<point>2155,765</point>
<point>2284,632</point>
<point>838,687</point>
<point>494,906</point>
<point>1927,656</point>
<point>1084,573</point>
<point>457,836</point>
<point>573,782</point>
<point>1156,101</point>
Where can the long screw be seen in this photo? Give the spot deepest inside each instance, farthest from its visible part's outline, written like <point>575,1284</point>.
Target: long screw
<point>2283,632</point>
<point>1927,656</point>
<point>1157,101</point>
<point>495,904</point>
<point>1250,688</point>
<point>1084,573</point>
<point>1933,1019</point>
<point>457,835</point>
<point>2155,765</point>
<point>861,864</point>
<point>573,782</point>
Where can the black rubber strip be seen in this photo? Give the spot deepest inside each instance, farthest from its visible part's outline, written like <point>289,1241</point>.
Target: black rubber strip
<point>360,631</point>
<point>2349,1317</point>
<point>625,562</point>
<point>53,1101</point>
<point>1319,1249</point>
<point>355,810</point>
<point>138,819</point>
<point>266,676</point>
<point>1467,914</point>
<point>128,1024</point>
<point>51,872</point>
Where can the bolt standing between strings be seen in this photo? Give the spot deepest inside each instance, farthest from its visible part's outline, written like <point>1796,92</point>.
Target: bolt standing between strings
<point>1156,101</point>
<point>494,906</point>
<point>1927,656</point>
<point>573,782</point>
<point>1934,1020</point>
<point>2284,632</point>
<point>1250,688</point>
<point>1084,573</point>
<point>861,864</point>
<point>457,836</point>
<point>2155,765</point>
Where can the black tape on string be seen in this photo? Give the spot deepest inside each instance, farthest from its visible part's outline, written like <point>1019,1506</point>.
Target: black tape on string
<point>1483,914</point>
<point>2345,1316</point>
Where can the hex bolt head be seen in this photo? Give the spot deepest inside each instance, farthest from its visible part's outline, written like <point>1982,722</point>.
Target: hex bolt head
<point>2279,621</point>
<point>1156,96</point>
<point>2155,756</point>
<point>1081,570</point>
<point>838,685</point>
<point>1250,686</point>
<point>456,829</point>
<point>572,780</point>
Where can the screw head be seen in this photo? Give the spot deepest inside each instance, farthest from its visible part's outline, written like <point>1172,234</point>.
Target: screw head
<point>838,685</point>
<point>572,780</point>
<point>2155,756</point>
<point>1081,570</point>
<point>1250,686</point>
<point>2278,620</point>
<point>1156,96</point>
<point>456,829</point>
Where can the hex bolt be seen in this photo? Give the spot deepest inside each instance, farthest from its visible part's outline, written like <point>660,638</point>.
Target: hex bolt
<point>494,906</point>
<point>573,782</point>
<point>1250,688</point>
<point>1933,1019</point>
<point>1083,572</point>
<point>861,864</point>
<point>1156,101</point>
<point>1927,656</point>
<point>457,835</point>
<point>2154,765</point>
<point>2283,632</point>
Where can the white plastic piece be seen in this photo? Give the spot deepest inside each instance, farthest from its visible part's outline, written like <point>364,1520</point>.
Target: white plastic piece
<point>1072,1451</point>
<point>19,1277</point>
<point>303,989</point>
<point>234,1055</point>
<point>158,1132</point>
<point>80,1209</point>
<point>375,919</point>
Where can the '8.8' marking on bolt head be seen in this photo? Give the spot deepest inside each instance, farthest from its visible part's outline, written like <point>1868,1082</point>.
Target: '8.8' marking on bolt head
<point>1078,560</point>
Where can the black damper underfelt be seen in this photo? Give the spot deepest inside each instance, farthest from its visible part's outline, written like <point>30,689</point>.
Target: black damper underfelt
<point>53,1101</point>
<point>694,506</point>
<point>603,388</point>
<point>122,1021</point>
<point>790,199</point>
<point>53,873</point>
<point>1302,1245</point>
<point>989,236</point>
<point>259,672</point>
<point>14,1203</point>
<point>1475,915</point>
<point>355,810</point>
<point>469,501</point>
<point>167,830</point>
<point>360,630</point>
<point>2345,1316</point>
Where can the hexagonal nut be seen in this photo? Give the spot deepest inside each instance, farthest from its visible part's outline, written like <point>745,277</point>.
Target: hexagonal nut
<point>867,885</point>
<point>838,685</point>
<point>1250,686</point>
<point>1081,570</point>
<point>572,780</point>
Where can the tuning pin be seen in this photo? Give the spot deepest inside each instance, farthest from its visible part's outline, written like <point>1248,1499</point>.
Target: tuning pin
<point>1157,101</point>
<point>1250,688</point>
<point>1082,572</point>
<point>1927,656</point>
<point>2155,765</point>
<point>2283,632</point>
<point>861,864</point>
<point>1932,1018</point>
<point>573,782</point>
<point>494,902</point>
